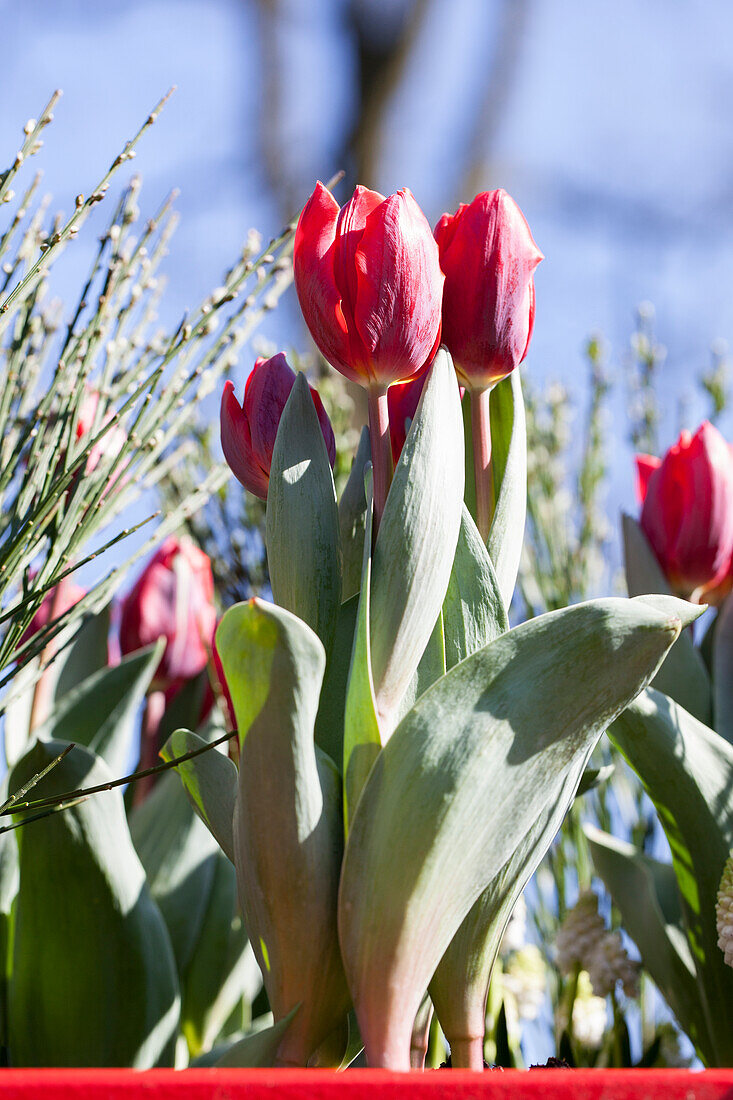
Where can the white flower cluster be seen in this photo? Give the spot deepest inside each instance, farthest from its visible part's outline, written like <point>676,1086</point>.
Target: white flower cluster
<point>525,980</point>
<point>724,912</point>
<point>584,941</point>
<point>589,1014</point>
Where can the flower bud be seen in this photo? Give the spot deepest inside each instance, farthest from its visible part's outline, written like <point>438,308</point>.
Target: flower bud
<point>687,511</point>
<point>173,599</point>
<point>488,255</point>
<point>248,430</point>
<point>369,284</point>
<point>724,912</point>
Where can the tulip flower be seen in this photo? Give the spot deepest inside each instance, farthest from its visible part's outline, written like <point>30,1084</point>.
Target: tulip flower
<point>111,441</point>
<point>488,255</point>
<point>248,430</point>
<point>370,287</point>
<point>55,603</point>
<point>687,511</point>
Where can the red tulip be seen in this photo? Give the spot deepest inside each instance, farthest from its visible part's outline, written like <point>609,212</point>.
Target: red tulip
<point>687,510</point>
<point>248,430</point>
<point>369,284</point>
<point>173,599</point>
<point>488,256</point>
<point>111,441</point>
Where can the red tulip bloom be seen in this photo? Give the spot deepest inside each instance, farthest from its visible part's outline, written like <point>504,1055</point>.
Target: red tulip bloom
<point>111,441</point>
<point>369,284</point>
<point>687,510</point>
<point>248,430</point>
<point>173,599</point>
<point>488,255</point>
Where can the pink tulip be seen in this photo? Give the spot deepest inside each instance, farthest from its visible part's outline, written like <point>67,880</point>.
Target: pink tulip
<point>488,255</point>
<point>173,599</point>
<point>369,284</point>
<point>248,430</point>
<point>55,603</point>
<point>687,511</point>
<point>111,441</point>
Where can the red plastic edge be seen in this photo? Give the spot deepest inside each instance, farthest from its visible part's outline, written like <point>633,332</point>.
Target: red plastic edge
<point>282,1084</point>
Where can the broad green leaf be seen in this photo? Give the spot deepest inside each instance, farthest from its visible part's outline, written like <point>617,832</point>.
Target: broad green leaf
<point>303,553</point>
<point>288,827</point>
<point>460,984</point>
<point>94,979</point>
<point>456,789</point>
<point>177,852</point>
<point>687,771</point>
<point>332,704</point>
<point>83,651</point>
<point>352,519</point>
<point>417,540</point>
<point>509,469</point>
<point>100,713</point>
<point>723,671</point>
<point>223,970</point>
<point>683,676</point>
<point>432,666</point>
<point>362,739</point>
<point>473,610</point>
<point>260,1049</point>
<point>210,780</point>
<point>8,889</point>
<point>645,891</point>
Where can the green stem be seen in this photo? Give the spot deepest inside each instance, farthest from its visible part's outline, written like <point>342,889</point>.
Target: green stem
<point>381,448</point>
<point>481,433</point>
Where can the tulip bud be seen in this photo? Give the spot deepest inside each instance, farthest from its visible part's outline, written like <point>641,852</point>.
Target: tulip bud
<point>488,256</point>
<point>248,430</point>
<point>687,511</point>
<point>369,284</point>
<point>111,441</point>
<point>173,598</point>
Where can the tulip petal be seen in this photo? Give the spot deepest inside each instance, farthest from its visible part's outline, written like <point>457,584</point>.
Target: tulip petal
<point>313,271</point>
<point>265,396</point>
<point>645,467</point>
<point>397,309</point>
<point>236,443</point>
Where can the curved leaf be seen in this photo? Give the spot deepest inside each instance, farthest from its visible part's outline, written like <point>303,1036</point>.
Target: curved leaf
<point>509,470</point>
<point>210,780</point>
<point>417,540</point>
<point>723,670</point>
<point>683,676</point>
<point>645,891</point>
<point>457,787</point>
<point>260,1049</point>
<point>94,979</point>
<point>303,553</point>
<point>288,828</point>
<point>352,519</point>
<point>687,771</point>
<point>473,610</point>
<point>329,731</point>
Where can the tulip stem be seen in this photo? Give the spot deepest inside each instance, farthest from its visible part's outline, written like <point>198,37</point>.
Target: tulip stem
<point>481,437</point>
<point>381,449</point>
<point>467,1053</point>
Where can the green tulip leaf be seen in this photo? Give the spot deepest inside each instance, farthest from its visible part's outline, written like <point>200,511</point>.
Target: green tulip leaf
<point>260,1049</point>
<point>303,553</point>
<point>210,780</point>
<point>683,676</point>
<point>416,544</point>
<point>460,984</point>
<point>9,880</point>
<point>645,892</point>
<point>329,732</point>
<point>362,738</point>
<point>288,826</point>
<point>352,519</point>
<point>460,783</point>
<point>222,970</point>
<point>723,670</point>
<point>473,610</point>
<point>93,977</point>
<point>177,852</point>
<point>687,771</point>
<point>509,470</point>
<point>101,712</point>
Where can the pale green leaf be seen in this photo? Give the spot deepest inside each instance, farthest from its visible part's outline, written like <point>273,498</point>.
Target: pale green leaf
<point>473,610</point>
<point>509,470</point>
<point>260,1049</point>
<point>723,670</point>
<point>303,553</point>
<point>352,519</point>
<point>210,780</point>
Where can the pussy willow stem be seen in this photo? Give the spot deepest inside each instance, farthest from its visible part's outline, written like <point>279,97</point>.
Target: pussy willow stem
<point>381,448</point>
<point>481,436</point>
